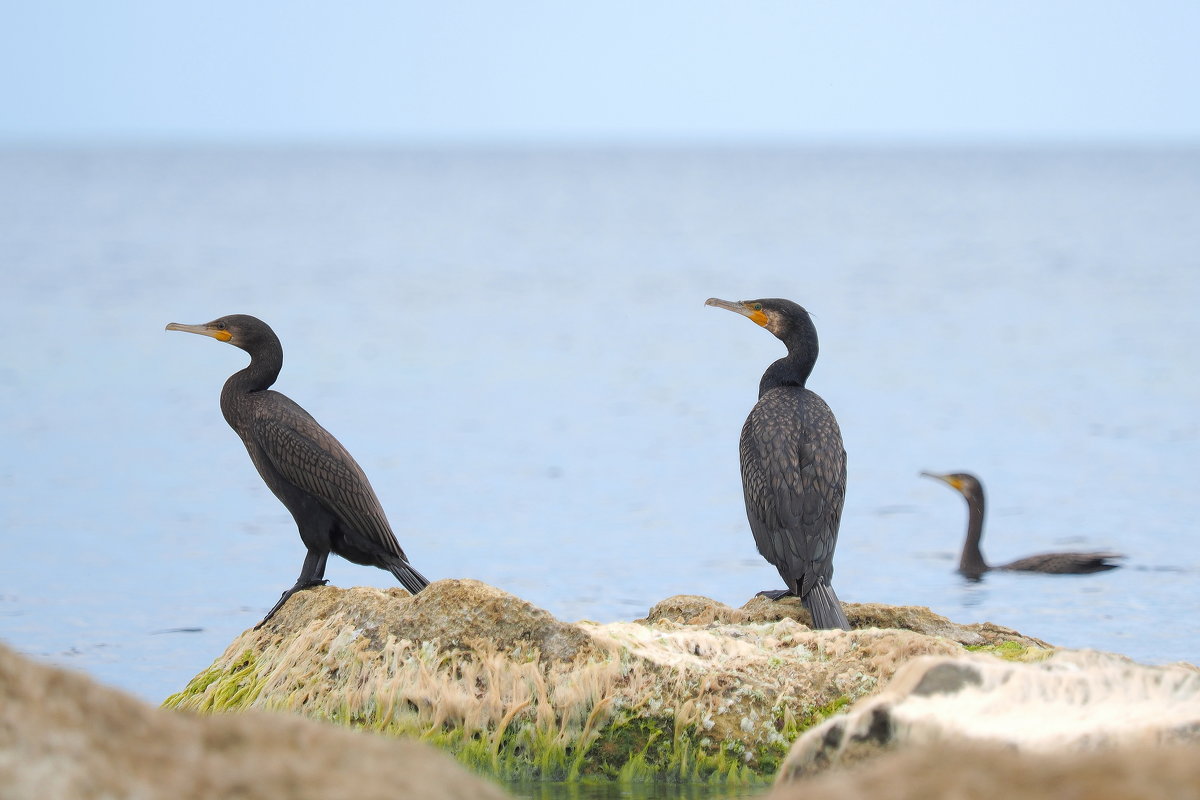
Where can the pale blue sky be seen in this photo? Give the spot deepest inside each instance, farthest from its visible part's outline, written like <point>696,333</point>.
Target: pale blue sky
<point>670,71</point>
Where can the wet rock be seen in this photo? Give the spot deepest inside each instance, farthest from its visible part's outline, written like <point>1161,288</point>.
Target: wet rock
<point>1074,701</point>
<point>697,690</point>
<point>63,735</point>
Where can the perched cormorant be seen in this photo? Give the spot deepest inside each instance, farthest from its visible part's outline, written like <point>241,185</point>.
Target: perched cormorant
<point>793,464</point>
<point>972,565</point>
<point>308,470</point>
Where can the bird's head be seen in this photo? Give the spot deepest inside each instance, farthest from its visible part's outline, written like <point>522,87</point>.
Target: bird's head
<point>964,483</point>
<point>240,330</point>
<point>787,320</point>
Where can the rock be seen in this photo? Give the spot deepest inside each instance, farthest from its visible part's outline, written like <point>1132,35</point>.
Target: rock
<point>450,614</point>
<point>698,690</point>
<point>920,619</point>
<point>983,772</point>
<point>1073,701</point>
<point>63,735</point>
<point>692,609</point>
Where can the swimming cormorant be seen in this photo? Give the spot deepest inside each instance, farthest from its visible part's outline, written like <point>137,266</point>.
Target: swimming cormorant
<point>308,470</point>
<point>793,464</point>
<point>972,565</point>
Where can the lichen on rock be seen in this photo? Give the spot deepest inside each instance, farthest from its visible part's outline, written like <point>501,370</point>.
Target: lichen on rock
<point>698,691</point>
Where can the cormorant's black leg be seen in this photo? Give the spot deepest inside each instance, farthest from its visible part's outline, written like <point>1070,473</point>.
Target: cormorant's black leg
<point>770,594</point>
<point>310,575</point>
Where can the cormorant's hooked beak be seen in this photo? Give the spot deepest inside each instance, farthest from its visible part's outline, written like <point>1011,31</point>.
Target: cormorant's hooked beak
<point>953,483</point>
<point>219,334</point>
<point>755,315</point>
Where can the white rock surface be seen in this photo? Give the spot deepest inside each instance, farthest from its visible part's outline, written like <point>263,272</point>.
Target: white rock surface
<point>1074,701</point>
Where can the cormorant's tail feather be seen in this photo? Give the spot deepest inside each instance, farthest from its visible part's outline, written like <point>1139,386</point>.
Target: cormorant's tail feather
<point>408,577</point>
<point>825,608</point>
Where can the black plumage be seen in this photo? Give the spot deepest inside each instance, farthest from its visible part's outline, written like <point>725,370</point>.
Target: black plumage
<point>971,562</point>
<point>311,473</point>
<point>793,464</point>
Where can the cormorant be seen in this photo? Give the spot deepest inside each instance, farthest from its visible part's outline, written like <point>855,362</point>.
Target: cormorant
<point>793,464</point>
<point>310,472</point>
<point>972,565</point>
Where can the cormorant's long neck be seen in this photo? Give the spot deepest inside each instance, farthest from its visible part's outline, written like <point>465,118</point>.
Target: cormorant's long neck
<point>971,563</point>
<point>265,362</point>
<point>794,368</point>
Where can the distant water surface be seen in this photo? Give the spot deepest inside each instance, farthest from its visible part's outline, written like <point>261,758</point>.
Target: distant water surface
<point>514,346</point>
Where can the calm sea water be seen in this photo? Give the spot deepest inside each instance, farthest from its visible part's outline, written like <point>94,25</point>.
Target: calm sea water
<point>514,346</point>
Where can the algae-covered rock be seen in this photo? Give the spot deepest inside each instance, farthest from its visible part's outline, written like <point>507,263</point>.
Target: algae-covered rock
<point>64,736</point>
<point>697,691</point>
<point>1072,701</point>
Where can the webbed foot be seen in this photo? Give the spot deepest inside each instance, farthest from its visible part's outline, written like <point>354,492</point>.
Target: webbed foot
<point>299,587</point>
<point>774,594</point>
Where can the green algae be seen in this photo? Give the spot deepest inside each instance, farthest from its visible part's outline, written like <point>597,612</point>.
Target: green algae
<point>623,747</point>
<point>627,749</point>
<point>230,688</point>
<point>1013,651</point>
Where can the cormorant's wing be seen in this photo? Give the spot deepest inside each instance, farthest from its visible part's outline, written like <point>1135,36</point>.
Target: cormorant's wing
<point>794,478</point>
<point>308,456</point>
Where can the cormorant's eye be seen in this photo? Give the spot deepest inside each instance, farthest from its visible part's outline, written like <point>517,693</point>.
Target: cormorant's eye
<point>758,306</point>
<point>220,326</point>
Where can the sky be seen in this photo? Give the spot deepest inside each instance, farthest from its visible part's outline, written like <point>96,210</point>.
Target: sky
<point>78,71</point>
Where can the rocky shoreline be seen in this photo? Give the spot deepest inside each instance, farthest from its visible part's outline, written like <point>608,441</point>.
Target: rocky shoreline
<point>906,705</point>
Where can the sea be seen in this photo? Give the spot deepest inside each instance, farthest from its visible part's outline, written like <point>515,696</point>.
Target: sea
<point>514,345</point>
